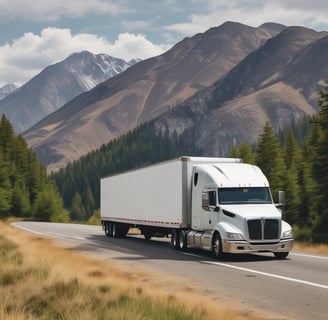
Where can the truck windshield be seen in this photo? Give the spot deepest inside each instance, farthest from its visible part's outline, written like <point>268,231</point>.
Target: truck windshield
<point>254,195</point>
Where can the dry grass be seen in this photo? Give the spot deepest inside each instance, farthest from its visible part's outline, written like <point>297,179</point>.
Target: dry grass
<point>39,280</point>
<point>321,249</point>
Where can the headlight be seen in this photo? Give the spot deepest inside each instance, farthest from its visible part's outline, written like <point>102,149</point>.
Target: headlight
<point>234,236</point>
<point>288,234</point>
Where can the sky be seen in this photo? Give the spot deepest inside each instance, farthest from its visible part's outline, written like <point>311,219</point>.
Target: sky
<point>38,33</point>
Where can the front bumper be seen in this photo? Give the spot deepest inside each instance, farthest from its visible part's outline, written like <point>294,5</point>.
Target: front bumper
<point>228,246</point>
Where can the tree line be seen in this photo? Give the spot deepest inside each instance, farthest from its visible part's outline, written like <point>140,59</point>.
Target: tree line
<point>25,189</point>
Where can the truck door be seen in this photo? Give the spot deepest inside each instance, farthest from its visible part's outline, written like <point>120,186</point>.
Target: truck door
<point>209,214</point>
<point>197,183</point>
<point>204,203</point>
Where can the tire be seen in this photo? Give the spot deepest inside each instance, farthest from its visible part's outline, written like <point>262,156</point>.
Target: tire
<point>107,229</point>
<point>281,255</point>
<point>175,238</point>
<point>217,246</point>
<point>119,230</point>
<point>182,240</point>
<point>114,230</point>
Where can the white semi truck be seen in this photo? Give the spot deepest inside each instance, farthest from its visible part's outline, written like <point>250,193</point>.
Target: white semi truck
<point>217,204</point>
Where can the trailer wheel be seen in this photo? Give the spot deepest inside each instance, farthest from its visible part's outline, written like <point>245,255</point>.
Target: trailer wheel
<point>217,246</point>
<point>107,229</point>
<point>281,255</point>
<point>114,231</point>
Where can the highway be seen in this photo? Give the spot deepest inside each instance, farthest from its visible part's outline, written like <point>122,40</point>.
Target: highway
<point>294,288</point>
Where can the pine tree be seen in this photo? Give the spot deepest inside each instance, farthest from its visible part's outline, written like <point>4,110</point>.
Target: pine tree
<point>49,207</point>
<point>5,188</point>
<point>321,170</point>
<point>77,212</point>
<point>292,158</point>
<point>269,159</point>
<point>89,201</point>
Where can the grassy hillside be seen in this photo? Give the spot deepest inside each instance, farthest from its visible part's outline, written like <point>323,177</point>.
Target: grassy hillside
<point>56,283</point>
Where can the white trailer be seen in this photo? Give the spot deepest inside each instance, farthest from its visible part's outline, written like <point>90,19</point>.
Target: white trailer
<point>217,204</point>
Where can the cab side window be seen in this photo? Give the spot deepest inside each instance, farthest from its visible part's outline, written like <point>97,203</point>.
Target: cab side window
<point>212,198</point>
<point>208,200</point>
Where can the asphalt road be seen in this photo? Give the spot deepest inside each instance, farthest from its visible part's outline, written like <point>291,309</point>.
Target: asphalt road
<point>294,288</point>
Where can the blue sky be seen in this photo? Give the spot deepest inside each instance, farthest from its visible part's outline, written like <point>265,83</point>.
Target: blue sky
<point>35,34</point>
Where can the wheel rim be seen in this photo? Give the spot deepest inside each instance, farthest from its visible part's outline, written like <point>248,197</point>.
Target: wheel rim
<point>216,246</point>
<point>114,231</point>
<point>174,239</point>
<point>182,240</point>
<point>106,229</point>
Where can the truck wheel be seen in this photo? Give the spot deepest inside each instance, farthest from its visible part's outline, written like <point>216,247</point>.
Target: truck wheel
<point>281,255</point>
<point>107,229</point>
<point>182,241</point>
<point>175,236</point>
<point>114,231</point>
<point>217,246</point>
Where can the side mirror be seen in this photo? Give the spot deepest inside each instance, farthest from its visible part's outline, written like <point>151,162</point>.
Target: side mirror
<point>281,197</point>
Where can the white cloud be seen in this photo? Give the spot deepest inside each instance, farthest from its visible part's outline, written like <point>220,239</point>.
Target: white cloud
<point>52,10</point>
<point>313,14</point>
<point>130,46</point>
<point>28,55</point>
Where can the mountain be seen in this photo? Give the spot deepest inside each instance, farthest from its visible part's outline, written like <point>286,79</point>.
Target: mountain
<point>144,91</point>
<point>278,83</point>
<point>7,89</point>
<point>56,85</point>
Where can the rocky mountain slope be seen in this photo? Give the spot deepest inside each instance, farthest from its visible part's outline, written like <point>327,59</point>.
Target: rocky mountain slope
<point>144,91</point>
<point>278,83</point>
<point>56,85</point>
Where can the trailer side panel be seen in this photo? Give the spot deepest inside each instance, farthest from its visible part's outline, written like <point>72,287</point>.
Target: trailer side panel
<point>149,196</point>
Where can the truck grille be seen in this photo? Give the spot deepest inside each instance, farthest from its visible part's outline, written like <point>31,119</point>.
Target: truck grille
<point>263,229</point>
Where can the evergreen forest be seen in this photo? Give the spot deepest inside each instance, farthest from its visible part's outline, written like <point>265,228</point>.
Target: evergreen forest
<point>25,189</point>
<point>294,160</point>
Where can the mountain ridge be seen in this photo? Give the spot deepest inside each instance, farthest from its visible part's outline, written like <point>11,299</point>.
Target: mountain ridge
<point>143,92</point>
<point>236,108</point>
<point>56,85</point>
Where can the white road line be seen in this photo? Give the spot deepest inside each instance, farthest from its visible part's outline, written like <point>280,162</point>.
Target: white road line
<point>309,256</point>
<point>29,230</point>
<point>79,238</point>
<point>47,234</point>
<point>313,284</point>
